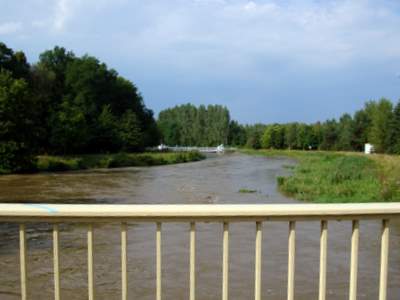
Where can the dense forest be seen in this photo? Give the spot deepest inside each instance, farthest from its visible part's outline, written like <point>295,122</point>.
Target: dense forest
<point>65,104</point>
<point>377,123</point>
<point>187,125</point>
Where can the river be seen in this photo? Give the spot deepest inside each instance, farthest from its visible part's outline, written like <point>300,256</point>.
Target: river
<point>214,180</point>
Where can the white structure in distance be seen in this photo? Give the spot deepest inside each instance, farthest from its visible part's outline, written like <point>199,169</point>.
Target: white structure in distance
<point>369,148</point>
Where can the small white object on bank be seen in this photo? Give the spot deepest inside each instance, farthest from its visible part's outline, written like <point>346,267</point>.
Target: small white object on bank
<point>368,148</point>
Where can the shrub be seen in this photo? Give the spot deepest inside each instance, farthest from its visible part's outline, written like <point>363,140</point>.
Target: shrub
<point>16,158</point>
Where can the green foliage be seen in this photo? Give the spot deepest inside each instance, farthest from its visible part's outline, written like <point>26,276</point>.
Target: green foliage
<point>395,130</point>
<point>67,163</point>
<point>237,134</point>
<point>361,125</point>
<point>291,135</point>
<point>70,130</point>
<point>187,125</point>
<point>254,134</point>
<point>65,105</point>
<point>381,119</point>
<point>346,136</point>
<point>377,123</point>
<point>273,137</point>
<point>16,124</point>
<point>130,132</point>
<point>16,158</point>
<point>333,177</point>
<point>14,62</point>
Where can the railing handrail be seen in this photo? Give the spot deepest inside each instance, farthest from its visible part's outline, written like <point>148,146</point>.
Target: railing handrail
<point>184,212</point>
<point>223,213</point>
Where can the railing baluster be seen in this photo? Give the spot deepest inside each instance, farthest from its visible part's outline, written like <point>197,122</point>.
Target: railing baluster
<point>192,261</point>
<point>225,262</point>
<point>22,260</point>
<point>291,259</point>
<point>124,261</point>
<point>323,259</point>
<point>258,262</point>
<point>384,260</point>
<point>56,262</point>
<point>158,263</point>
<point>90,262</point>
<point>354,260</point>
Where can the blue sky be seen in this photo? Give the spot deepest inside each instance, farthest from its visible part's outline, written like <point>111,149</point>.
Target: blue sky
<point>267,60</point>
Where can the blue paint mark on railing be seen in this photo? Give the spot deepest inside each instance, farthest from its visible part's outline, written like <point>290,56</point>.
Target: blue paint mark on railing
<point>45,207</point>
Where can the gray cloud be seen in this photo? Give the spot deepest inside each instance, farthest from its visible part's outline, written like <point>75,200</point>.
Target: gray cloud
<point>224,50</point>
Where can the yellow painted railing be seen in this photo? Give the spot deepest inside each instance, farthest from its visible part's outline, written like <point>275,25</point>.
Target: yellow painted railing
<point>225,214</point>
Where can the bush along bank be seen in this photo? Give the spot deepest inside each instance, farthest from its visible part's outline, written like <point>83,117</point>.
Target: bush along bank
<point>332,177</point>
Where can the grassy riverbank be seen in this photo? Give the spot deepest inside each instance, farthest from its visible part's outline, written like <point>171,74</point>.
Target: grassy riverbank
<point>79,162</point>
<point>339,177</point>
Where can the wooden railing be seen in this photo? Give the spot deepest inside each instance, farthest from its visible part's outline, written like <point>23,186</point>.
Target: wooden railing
<point>225,214</point>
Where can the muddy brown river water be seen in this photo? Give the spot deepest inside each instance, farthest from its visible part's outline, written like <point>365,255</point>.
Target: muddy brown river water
<point>215,180</point>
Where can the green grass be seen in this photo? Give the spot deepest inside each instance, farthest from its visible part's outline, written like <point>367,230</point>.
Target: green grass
<point>337,177</point>
<point>90,161</point>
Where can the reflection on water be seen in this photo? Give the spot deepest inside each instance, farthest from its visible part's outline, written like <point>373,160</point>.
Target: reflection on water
<point>215,180</point>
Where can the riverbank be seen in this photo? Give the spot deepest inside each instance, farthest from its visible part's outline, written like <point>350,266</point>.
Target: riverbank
<point>334,177</point>
<point>91,161</point>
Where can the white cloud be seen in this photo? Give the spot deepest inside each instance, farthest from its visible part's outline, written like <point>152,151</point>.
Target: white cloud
<point>63,11</point>
<point>68,11</point>
<point>10,27</point>
<point>227,33</point>
<point>321,34</point>
<point>250,6</point>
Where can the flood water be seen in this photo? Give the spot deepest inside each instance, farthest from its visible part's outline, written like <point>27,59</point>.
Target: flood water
<point>215,180</point>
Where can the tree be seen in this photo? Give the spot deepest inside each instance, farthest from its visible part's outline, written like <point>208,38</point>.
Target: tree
<point>346,137</point>
<point>237,134</point>
<point>330,135</point>
<point>16,124</point>
<point>395,130</point>
<point>106,136</point>
<point>15,63</point>
<point>70,133</point>
<point>188,125</point>
<point>381,119</point>
<point>273,137</point>
<point>130,132</point>
<point>291,135</point>
<point>361,125</point>
<point>254,134</point>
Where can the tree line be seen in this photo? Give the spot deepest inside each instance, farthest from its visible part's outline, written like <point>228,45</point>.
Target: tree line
<point>65,104</point>
<point>188,125</point>
<point>378,123</point>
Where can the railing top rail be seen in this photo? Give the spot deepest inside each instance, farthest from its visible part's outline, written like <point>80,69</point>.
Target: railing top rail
<point>53,212</point>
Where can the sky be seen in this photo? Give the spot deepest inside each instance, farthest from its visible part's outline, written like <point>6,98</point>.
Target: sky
<point>267,60</point>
